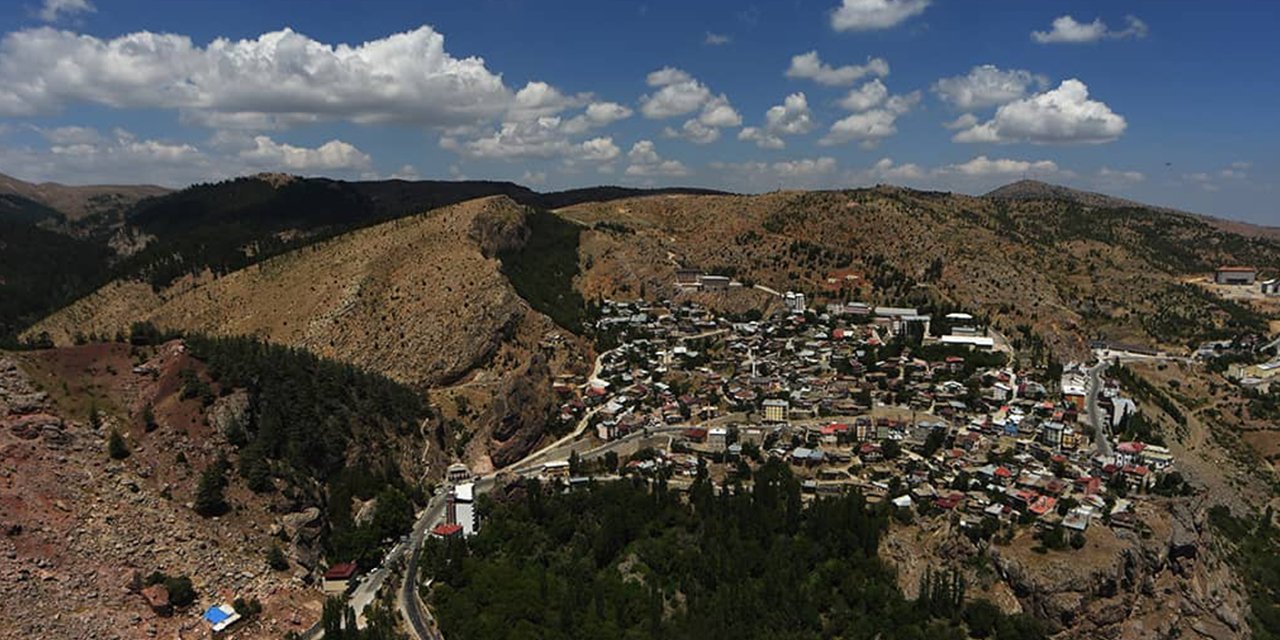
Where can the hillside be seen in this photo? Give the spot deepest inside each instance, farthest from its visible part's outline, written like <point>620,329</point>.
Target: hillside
<point>78,202</point>
<point>1037,190</point>
<point>420,299</point>
<point>1039,269</point>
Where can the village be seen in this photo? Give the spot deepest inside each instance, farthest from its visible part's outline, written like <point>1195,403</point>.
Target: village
<point>931,414</point>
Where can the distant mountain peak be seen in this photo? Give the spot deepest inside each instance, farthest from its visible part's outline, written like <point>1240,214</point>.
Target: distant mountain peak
<point>1027,189</point>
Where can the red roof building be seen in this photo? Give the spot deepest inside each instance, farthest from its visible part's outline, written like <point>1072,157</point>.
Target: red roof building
<point>447,530</point>
<point>342,571</point>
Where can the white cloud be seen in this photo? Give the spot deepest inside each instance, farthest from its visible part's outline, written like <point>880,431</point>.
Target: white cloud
<point>545,137</point>
<point>406,172</point>
<point>1060,116</point>
<point>1066,30</point>
<point>719,113</point>
<point>693,131</point>
<point>645,162</point>
<point>666,76</point>
<point>539,99</point>
<point>963,121</point>
<point>987,86</point>
<point>797,173</point>
<point>72,135</point>
<point>867,15</point>
<point>334,154</point>
<point>533,177</point>
<point>869,95</point>
<point>406,77</point>
<point>811,67</point>
<point>981,167</point>
<point>1115,176</point>
<point>886,170</point>
<point>53,10</point>
<point>870,127</point>
<point>596,115</point>
<point>80,155</point>
<point>680,94</point>
<point>790,118</point>
<point>717,39</point>
<point>598,150</point>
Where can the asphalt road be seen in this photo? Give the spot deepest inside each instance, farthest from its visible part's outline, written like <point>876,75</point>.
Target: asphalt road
<point>1101,430</point>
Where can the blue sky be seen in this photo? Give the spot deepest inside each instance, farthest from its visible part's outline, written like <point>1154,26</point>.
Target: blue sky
<point>1171,102</point>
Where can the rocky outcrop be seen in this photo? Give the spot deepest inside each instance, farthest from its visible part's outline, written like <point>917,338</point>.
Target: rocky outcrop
<point>1126,585</point>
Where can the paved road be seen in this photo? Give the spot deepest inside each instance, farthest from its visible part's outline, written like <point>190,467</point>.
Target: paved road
<point>1101,428</point>
<point>419,620</point>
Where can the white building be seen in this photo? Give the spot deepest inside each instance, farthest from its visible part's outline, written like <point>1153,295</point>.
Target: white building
<point>461,508</point>
<point>794,302</point>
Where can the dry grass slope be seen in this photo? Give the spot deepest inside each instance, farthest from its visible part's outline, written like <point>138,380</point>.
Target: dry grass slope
<point>418,299</point>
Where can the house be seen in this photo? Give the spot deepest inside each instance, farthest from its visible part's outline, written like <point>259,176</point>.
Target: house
<point>775,410</point>
<point>794,302</point>
<point>221,617</point>
<point>460,505</point>
<point>1235,275</point>
<point>981,343</point>
<point>445,531</point>
<point>688,277</point>
<point>336,579</point>
<point>713,283</point>
<point>458,472</point>
<point>717,438</point>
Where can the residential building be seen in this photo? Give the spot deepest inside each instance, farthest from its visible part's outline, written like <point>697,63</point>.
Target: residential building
<point>336,579</point>
<point>1235,275</point>
<point>775,410</point>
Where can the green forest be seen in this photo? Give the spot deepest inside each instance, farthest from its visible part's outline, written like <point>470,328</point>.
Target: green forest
<point>635,559</point>
<point>306,415</point>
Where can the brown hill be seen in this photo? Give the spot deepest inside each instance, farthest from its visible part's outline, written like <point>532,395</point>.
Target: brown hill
<point>1038,268</point>
<point>79,202</point>
<point>419,299</point>
<point>83,530</point>
<point>1037,190</point>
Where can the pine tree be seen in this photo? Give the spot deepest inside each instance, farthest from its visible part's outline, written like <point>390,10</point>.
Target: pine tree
<point>276,559</point>
<point>116,446</point>
<point>209,499</point>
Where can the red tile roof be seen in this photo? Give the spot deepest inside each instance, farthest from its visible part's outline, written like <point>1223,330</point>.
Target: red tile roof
<point>342,571</point>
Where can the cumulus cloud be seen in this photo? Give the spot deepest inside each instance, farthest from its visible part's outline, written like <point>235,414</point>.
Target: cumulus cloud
<point>885,170</point>
<point>981,167</point>
<point>797,173</point>
<point>870,127</point>
<point>810,66</point>
<point>1066,30</point>
<point>533,177</point>
<point>963,121</point>
<point>645,162</point>
<point>80,155</point>
<point>53,10</point>
<point>1116,176</point>
<point>406,77</point>
<point>987,86</point>
<point>1063,115</point>
<point>790,118</point>
<point>596,115</point>
<point>717,39</point>
<point>693,131</point>
<point>869,95</point>
<point>545,137</point>
<point>868,15</point>
<point>334,154</point>
<point>680,94</point>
